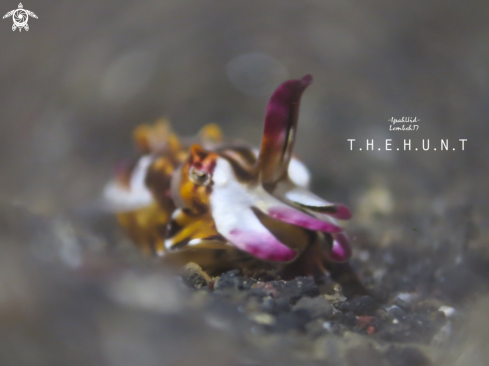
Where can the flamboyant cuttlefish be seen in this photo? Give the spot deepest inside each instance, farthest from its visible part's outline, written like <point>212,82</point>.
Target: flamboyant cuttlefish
<point>224,203</point>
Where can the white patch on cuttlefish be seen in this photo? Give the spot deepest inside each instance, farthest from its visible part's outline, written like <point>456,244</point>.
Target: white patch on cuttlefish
<point>298,173</point>
<point>231,204</point>
<point>122,199</point>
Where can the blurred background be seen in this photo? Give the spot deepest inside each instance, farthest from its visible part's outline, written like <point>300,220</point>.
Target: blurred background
<point>86,73</point>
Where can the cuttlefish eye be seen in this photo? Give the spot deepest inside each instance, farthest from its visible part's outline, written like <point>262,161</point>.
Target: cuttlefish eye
<point>199,177</point>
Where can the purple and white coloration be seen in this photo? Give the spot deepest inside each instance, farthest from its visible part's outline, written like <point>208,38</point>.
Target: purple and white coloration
<point>210,193</point>
<point>242,183</point>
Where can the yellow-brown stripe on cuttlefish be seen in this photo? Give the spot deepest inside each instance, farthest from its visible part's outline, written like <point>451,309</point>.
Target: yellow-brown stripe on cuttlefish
<point>158,181</point>
<point>146,226</point>
<point>242,160</point>
<point>156,138</point>
<point>186,228</point>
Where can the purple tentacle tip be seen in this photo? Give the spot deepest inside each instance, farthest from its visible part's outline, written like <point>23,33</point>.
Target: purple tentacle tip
<point>342,212</point>
<point>341,251</point>
<point>306,80</point>
<point>264,246</point>
<point>294,217</point>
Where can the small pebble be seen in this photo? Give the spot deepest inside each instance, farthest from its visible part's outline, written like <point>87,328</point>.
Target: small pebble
<point>296,288</point>
<point>395,311</point>
<point>407,297</point>
<point>318,307</point>
<point>335,298</point>
<point>364,321</point>
<point>233,280</point>
<point>195,277</point>
<point>404,305</point>
<point>262,318</point>
<point>363,305</point>
<point>275,306</point>
<point>447,310</point>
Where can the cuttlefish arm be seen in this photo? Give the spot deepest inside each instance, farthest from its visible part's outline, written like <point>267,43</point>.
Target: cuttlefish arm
<point>278,210</point>
<point>280,130</point>
<point>188,230</point>
<point>231,208</point>
<point>309,201</point>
